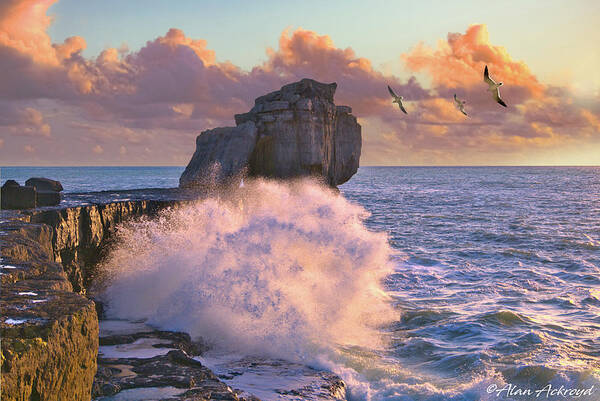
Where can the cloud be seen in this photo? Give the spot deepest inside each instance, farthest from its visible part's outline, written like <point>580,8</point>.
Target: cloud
<point>25,120</point>
<point>459,61</point>
<point>151,103</point>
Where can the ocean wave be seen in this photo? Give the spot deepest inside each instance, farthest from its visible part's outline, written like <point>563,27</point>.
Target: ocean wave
<point>283,270</point>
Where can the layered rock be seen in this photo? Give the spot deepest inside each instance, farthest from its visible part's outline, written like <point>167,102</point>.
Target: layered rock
<point>37,192</point>
<point>79,233</point>
<point>293,132</point>
<point>49,334</point>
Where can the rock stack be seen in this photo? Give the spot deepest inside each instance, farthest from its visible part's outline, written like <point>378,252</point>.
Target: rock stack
<point>293,132</point>
<point>36,192</point>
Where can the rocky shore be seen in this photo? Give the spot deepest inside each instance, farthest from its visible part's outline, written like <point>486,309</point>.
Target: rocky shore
<point>54,347</point>
<point>51,332</point>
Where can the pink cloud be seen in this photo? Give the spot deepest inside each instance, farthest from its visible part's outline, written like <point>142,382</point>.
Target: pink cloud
<point>161,96</point>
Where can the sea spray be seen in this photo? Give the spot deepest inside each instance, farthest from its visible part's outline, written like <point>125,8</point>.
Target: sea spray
<point>276,269</point>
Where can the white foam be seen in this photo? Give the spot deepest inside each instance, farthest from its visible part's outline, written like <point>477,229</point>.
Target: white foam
<point>8,267</point>
<point>38,301</point>
<point>15,321</point>
<point>272,269</point>
<point>31,293</point>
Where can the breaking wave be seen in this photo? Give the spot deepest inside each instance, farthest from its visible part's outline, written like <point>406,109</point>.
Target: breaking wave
<point>278,269</point>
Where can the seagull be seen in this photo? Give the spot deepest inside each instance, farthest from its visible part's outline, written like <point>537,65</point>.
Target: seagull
<point>493,86</point>
<point>397,99</point>
<point>460,105</point>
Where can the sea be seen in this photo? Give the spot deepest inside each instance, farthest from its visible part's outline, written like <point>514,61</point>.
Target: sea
<point>413,283</point>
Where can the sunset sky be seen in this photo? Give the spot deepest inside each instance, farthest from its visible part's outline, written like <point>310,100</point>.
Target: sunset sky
<point>133,82</point>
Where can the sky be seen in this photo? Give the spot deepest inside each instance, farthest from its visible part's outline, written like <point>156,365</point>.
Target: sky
<point>106,82</point>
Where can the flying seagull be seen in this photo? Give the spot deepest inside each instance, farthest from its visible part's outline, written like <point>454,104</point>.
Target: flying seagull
<point>493,86</point>
<point>460,105</point>
<point>397,99</point>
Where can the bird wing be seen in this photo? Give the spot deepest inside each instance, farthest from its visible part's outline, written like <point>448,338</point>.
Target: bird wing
<point>498,99</point>
<point>464,112</point>
<point>402,107</point>
<point>392,92</point>
<point>456,101</point>
<point>486,77</point>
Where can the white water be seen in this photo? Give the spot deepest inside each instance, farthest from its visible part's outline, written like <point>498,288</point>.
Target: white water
<point>272,269</point>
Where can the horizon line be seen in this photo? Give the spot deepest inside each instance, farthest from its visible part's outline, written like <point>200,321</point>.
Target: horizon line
<point>370,165</point>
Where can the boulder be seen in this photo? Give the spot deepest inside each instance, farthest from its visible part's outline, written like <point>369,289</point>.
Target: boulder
<point>295,131</point>
<point>48,198</point>
<point>44,184</point>
<point>15,196</point>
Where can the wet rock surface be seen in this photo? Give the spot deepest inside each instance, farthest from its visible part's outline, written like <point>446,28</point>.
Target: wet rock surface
<point>295,131</point>
<point>52,346</point>
<point>49,334</point>
<point>135,357</point>
<point>152,359</point>
<point>276,379</point>
<point>81,232</point>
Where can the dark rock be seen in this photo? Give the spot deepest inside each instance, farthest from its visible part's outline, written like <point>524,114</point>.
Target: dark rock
<point>173,369</point>
<point>17,196</point>
<point>11,183</point>
<point>173,339</point>
<point>48,198</point>
<point>44,184</point>
<point>298,131</point>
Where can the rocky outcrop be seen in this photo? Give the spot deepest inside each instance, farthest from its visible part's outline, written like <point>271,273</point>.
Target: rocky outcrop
<point>230,146</point>
<point>80,233</point>
<point>295,131</point>
<point>37,192</point>
<point>49,334</point>
<point>44,184</point>
<point>15,196</point>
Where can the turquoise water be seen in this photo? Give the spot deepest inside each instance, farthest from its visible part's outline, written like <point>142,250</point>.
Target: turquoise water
<point>497,276</point>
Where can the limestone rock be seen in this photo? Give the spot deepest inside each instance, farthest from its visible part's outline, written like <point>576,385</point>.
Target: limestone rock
<point>220,153</point>
<point>15,196</point>
<point>48,198</point>
<point>44,184</point>
<point>297,131</point>
<point>49,334</point>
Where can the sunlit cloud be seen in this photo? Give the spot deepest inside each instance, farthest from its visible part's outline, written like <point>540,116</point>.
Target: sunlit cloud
<point>162,95</point>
